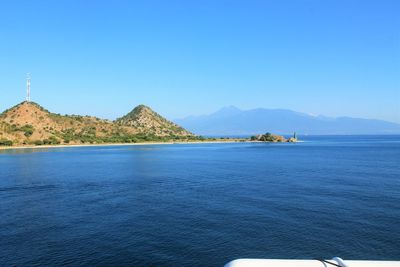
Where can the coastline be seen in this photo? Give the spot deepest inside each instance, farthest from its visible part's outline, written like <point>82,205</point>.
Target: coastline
<point>125,144</point>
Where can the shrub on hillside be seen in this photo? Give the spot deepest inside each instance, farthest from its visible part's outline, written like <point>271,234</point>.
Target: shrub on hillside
<point>27,129</point>
<point>5,142</point>
<point>38,142</point>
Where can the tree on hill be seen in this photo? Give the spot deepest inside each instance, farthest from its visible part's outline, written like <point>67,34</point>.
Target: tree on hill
<point>268,137</point>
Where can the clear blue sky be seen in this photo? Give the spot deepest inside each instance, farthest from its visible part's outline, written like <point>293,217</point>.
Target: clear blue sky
<point>331,57</point>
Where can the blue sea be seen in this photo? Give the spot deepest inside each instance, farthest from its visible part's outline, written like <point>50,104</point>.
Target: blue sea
<point>201,204</point>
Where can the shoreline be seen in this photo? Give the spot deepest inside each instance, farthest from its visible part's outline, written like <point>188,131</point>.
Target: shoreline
<point>125,144</point>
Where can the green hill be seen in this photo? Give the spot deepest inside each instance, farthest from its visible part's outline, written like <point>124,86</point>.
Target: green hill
<point>145,120</point>
<point>29,123</point>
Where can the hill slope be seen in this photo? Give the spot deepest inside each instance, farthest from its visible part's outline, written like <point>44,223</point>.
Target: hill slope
<point>233,121</point>
<point>144,119</point>
<point>29,123</point>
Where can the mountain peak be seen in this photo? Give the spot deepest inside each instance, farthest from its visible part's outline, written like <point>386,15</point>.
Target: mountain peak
<point>25,105</point>
<point>147,120</point>
<point>140,110</point>
<point>142,107</point>
<point>231,107</point>
<point>227,111</point>
<point>24,113</point>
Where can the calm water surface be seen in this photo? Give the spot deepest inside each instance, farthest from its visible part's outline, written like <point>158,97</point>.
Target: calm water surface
<point>201,205</point>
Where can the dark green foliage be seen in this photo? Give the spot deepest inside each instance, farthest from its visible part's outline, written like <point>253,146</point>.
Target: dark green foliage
<point>14,128</point>
<point>88,135</point>
<point>27,129</point>
<point>5,142</point>
<point>268,137</point>
<point>38,142</point>
<point>51,141</point>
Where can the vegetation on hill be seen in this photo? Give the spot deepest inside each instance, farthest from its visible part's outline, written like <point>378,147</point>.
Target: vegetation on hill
<point>147,121</point>
<point>29,123</point>
<point>268,137</point>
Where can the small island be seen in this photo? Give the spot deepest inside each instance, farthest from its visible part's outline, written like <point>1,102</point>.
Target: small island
<point>268,137</point>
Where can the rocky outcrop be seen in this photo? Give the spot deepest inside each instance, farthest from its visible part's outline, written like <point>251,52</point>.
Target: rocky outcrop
<point>268,137</point>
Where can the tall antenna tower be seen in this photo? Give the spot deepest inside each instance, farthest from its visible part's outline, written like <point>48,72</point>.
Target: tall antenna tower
<point>28,87</point>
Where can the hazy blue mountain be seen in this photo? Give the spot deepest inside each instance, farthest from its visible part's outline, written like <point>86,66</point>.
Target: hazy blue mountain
<point>233,121</point>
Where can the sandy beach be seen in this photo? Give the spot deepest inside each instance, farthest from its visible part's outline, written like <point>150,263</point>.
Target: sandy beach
<point>125,144</point>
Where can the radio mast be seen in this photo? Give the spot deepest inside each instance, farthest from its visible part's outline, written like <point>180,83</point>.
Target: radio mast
<point>28,87</point>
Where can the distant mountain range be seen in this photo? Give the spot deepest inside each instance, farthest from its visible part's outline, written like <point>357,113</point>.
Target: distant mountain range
<point>234,121</point>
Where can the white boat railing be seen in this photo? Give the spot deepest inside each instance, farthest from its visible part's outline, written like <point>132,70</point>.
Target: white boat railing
<point>338,262</point>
